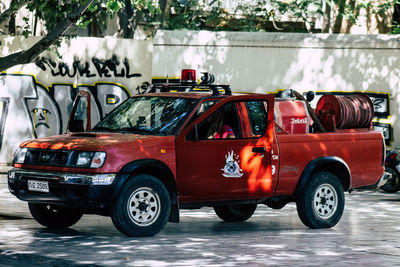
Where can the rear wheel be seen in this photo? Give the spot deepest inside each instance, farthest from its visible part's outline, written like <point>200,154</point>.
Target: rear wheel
<point>53,216</point>
<point>142,208</point>
<point>235,213</point>
<point>321,204</point>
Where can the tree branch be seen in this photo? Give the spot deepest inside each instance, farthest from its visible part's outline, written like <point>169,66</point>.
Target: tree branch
<point>14,6</point>
<point>29,55</point>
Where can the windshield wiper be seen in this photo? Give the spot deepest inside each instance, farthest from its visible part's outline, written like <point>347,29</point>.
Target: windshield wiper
<point>102,129</point>
<point>136,130</point>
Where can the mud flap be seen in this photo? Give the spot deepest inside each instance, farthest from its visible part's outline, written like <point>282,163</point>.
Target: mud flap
<point>174,215</point>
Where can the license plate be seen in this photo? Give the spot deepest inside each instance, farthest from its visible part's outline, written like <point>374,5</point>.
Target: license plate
<point>38,186</point>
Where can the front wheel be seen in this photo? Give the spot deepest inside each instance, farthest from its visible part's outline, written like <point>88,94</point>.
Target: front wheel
<point>142,208</point>
<point>235,213</point>
<point>321,204</point>
<point>53,216</point>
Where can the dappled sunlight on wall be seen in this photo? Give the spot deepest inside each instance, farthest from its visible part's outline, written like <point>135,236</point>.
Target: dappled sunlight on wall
<point>200,50</point>
<point>266,62</point>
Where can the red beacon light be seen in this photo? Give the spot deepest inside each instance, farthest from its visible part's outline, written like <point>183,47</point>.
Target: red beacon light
<point>188,76</point>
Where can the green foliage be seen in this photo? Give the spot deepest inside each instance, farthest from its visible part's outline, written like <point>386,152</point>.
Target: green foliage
<point>395,27</point>
<point>146,10</point>
<point>255,15</point>
<point>114,6</point>
<point>200,14</point>
<point>185,15</point>
<point>53,11</point>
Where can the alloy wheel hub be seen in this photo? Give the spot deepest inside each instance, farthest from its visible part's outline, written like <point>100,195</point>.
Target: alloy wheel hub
<point>143,206</point>
<point>325,201</point>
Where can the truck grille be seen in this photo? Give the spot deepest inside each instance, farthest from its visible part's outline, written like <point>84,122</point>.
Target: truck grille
<point>47,157</point>
<point>61,158</point>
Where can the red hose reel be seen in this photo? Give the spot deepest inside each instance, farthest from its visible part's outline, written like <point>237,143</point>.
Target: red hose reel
<point>345,112</point>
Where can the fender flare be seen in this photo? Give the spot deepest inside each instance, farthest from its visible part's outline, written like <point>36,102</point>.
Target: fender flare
<point>331,164</point>
<point>153,167</point>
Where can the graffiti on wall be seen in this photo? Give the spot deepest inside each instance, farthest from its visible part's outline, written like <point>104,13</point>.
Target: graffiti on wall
<point>108,68</point>
<point>40,111</point>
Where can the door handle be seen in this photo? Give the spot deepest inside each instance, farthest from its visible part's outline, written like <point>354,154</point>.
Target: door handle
<point>258,149</point>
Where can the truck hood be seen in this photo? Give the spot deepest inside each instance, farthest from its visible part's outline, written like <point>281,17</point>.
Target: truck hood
<point>94,141</point>
<point>121,149</point>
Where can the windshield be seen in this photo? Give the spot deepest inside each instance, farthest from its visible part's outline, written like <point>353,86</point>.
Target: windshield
<point>148,115</point>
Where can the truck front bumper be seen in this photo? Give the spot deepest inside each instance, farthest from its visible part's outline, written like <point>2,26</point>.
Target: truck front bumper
<point>67,189</point>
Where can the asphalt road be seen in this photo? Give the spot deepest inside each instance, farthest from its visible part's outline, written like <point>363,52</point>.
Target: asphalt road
<point>367,235</point>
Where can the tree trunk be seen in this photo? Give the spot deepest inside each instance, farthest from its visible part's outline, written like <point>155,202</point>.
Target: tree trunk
<point>29,55</point>
<point>349,24</point>
<point>340,5</point>
<point>11,25</point>
<point>8,16</point>
<point>165,6</point>
<point>125,20</point>
<point>327,19</point>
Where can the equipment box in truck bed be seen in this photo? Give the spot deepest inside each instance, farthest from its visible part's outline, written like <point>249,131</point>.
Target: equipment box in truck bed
<point>163,151</point>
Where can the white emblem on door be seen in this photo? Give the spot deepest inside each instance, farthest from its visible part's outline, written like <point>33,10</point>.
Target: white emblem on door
<point>232,168</point>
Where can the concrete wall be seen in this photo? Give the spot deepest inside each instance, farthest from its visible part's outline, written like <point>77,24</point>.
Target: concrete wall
<point>266,62</point>
<point>35,99</point>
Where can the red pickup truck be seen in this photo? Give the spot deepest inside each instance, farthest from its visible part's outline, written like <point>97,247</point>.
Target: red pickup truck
<point>154,155</point>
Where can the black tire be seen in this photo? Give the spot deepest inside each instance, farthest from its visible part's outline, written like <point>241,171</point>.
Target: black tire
<point>235,213</point>
<point>321,203</point>
<point>142,208</point>
<point>53,216</point>
<point>393,184</point>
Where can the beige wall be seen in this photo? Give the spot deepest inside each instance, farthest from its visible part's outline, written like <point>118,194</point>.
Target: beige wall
<point>265,62</point>
<point>249,62</point>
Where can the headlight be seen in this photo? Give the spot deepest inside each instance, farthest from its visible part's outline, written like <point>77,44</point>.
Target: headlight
<point>90,159</point>
<point>84,159</point>
<point>19,156</point>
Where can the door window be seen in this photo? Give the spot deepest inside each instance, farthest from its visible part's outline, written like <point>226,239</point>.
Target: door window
<point>222,124</point>
<point>257,116</point>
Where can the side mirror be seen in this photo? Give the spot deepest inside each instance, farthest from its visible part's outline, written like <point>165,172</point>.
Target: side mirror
<point>76,126</point>
<point>80,112</point>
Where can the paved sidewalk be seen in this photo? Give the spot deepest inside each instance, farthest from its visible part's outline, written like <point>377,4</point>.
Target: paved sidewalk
<point>10,206</point>
<point>4,168</point>
<point>367,235</point>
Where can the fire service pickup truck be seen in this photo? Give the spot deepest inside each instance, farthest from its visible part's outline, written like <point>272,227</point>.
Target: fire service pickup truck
<point>159,152</point>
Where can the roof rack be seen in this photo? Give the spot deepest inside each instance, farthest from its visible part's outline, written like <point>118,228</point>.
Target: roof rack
<point>188,84</point>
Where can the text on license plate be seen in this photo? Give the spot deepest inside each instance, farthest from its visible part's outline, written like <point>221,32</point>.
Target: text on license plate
<point>38,186</point>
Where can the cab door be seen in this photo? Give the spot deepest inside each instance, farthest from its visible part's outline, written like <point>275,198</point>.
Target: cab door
<point>231,168</point>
